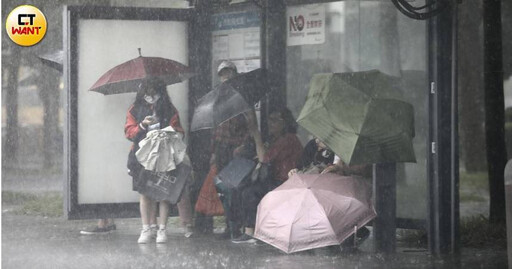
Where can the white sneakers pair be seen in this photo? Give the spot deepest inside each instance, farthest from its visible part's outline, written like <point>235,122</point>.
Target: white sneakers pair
<point>148,234</point>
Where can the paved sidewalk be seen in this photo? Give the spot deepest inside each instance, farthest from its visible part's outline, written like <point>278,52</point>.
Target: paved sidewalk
<point>38,242</point>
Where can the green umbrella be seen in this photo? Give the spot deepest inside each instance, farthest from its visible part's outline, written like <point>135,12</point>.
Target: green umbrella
<point>361,116</point>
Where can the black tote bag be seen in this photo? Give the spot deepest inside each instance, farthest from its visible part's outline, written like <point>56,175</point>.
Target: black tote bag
<point>166,186</point>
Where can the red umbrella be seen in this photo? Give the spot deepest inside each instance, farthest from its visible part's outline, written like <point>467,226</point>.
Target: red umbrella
<point>127,76</point>
<point>311,211</point>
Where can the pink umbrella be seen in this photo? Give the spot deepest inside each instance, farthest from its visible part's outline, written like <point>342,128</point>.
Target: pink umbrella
<point>311,211</point>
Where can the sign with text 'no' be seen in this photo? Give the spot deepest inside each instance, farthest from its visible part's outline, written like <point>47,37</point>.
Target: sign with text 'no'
<point>305,25</point>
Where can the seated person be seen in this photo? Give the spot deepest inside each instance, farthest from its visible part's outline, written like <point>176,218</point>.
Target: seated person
<point>280,156</point>
<point>341,168</point>
<point>315,158</point>
<point>318,158</point>
<point>365,171</point>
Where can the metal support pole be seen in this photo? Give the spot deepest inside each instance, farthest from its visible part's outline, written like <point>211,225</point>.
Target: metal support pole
<point>384,191</point>
<point>443,158</point>
<point>273,55</point>
<point>275,27</point>
<point>199,85</point>
<point>264,64</point>
<point>508,199</point>
<point>494,112</point>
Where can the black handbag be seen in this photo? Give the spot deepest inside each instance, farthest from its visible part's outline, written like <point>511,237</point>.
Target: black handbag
<point>235,174</point>
<point>166,186</point>
<point>132,164</point>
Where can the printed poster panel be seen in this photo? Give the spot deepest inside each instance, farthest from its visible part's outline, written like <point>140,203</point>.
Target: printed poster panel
<point>252,43</point>
<point>305,25</point>
<point>236,37</point>
<point>220,46</point>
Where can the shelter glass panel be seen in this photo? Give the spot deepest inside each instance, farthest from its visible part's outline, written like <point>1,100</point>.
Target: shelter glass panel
<point>351,36</point>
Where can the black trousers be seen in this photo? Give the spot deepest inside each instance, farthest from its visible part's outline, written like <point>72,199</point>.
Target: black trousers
<point>223,155</point>
<point>249,198</point>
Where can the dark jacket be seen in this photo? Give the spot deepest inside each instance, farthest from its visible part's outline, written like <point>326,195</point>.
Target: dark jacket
<point>135,131</point>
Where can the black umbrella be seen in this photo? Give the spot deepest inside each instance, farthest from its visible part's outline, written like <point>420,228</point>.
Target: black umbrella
<point>230,99</point>
<point>53,59</point>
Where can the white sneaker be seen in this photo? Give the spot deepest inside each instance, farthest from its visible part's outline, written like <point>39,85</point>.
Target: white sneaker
<point>145,236</point>
<point>161,236</point>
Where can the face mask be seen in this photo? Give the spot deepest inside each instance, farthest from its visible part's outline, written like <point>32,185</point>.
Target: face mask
<point>326,153</point>
<point>151,99</point>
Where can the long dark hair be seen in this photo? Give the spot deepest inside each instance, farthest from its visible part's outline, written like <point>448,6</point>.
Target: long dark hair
<point>289,120</point>
<point>164,108</point>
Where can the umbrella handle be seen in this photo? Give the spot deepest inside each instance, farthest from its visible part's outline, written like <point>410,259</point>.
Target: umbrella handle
<point>355,236</point>
<point>140,54</point>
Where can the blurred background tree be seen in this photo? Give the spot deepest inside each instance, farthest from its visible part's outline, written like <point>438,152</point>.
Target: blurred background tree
<point>32,114</point>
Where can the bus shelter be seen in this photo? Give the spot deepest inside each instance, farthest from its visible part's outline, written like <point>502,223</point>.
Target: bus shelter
<point>293,40</point>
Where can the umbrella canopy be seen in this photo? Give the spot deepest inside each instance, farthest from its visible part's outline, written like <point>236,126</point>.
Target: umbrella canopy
<point>230,99</point>
<point>127,76</point>
<point>53,59</point>
<point>361,116</point>
<point>313,210</point>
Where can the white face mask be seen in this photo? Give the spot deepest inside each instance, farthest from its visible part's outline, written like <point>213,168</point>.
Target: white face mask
<point>151,99</point>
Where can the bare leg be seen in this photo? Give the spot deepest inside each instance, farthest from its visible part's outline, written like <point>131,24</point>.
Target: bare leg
<point>164,213</point>
<point>249,231</point>
<point>110,221</point>
<point>103,226</point>
<point>185,209</point>
<point>146,205</point>
<point>161,234</point>
<point>153,213</point>
<point>102,223</point>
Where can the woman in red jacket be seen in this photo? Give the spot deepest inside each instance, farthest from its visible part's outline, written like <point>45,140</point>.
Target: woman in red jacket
<point>152,110</point>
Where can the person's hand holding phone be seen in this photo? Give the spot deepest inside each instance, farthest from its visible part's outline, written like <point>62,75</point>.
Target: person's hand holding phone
<point>149,120</point>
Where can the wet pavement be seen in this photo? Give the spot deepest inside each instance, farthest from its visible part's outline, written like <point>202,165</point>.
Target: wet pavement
<point>39,242</point>
<point>46,242</point>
